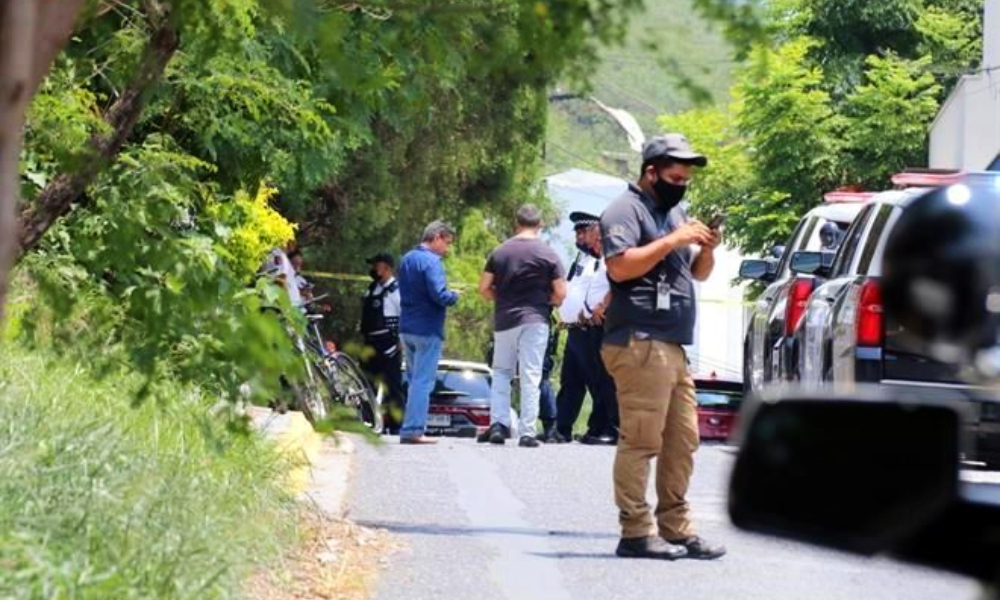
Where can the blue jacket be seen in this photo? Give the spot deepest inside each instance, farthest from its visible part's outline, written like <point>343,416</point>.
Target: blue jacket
<point>424,293</point>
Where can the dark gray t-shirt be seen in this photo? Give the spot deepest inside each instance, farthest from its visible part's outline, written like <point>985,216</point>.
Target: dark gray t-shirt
<point>523,271</point>
<point>631,221</point>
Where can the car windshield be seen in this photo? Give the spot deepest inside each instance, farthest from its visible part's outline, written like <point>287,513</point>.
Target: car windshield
<point>462,382</point>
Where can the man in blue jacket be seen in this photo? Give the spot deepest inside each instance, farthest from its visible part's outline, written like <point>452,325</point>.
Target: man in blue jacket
<point>425,297</point>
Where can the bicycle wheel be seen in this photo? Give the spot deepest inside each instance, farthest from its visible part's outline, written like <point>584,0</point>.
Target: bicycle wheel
<point>310,396</point>
<point>356,392</point>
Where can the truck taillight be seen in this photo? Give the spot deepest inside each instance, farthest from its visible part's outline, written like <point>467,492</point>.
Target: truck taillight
<point>798,299</point>
<point>870,322</point>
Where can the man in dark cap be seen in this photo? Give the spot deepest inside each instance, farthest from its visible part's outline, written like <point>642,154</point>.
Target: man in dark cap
<point>380,328</point>
<point>654,253</point>
<point>582,314</point>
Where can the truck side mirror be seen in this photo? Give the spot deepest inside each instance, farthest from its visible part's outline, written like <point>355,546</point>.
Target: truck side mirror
<point>858,473</point>
<point>812,263</point>
<point>759,269</point>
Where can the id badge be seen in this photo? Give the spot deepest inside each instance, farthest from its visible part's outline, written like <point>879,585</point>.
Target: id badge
<point>662,296</point>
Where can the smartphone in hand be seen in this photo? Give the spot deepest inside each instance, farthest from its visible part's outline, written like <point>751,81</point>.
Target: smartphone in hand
<point>717,221</point>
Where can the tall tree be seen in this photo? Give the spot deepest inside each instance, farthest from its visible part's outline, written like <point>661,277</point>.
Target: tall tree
<point>32,32</point>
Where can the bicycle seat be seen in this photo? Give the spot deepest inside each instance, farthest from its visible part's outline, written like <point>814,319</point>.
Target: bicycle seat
<point>315,317</point>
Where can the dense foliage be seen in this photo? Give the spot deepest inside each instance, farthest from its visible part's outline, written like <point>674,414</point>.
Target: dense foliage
<point>353,125</point>
<point>842,97</point>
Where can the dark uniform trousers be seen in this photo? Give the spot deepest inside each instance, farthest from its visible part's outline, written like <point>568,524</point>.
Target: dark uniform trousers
<point>384,365</point>
<point>583,371</point>
<point>547,398</point>
<point>384,356</point>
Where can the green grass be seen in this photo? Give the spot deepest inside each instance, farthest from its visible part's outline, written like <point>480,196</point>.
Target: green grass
<point>102,500</point>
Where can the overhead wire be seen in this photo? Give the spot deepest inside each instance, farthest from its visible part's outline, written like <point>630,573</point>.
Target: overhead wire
<point>582,160</point>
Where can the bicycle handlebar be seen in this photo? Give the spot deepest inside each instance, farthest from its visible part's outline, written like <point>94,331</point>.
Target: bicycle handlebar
<point>316,299</point>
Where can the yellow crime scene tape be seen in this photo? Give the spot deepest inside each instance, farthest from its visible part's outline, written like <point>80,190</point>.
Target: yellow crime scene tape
<point>462,285</point>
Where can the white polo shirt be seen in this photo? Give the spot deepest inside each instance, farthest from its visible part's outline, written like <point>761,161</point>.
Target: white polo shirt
<point>585,290</point>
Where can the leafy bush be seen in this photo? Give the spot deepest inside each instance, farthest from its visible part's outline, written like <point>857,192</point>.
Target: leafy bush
<point>257,228</point>
<point>170,262</point>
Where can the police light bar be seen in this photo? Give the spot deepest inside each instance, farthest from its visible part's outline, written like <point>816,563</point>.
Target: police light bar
<point>841,197</point>
<point>926,179</point>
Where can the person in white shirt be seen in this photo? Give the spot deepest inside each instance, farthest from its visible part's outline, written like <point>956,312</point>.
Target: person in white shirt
<point>380,328</point>
<point>279,267</point>
<point>582,314</point>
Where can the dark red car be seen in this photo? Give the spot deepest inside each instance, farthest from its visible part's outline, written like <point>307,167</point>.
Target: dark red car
<point>718,406</point>
<point>460,401</point>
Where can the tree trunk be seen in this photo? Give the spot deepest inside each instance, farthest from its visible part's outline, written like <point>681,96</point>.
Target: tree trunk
<point>31,34</point>
<point>17,33</point>
<point>58,196</point>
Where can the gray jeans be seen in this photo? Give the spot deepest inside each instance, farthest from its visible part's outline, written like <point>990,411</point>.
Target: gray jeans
<point>522,349</point>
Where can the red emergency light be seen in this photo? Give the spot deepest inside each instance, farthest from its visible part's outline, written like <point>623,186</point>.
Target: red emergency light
<point>844,197</point>
<point>926,178</point>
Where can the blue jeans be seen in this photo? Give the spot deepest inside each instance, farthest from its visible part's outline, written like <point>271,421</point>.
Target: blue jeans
<point>422,355</point>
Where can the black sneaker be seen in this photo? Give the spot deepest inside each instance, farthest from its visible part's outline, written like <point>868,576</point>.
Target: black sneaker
<point>594,439</point>
<point>649,547</point>
<point>528,441</point>
<point>699,548</point>
<point>498,433</point>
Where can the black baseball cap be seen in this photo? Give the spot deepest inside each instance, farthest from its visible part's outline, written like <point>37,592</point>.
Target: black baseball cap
<point>672,145</point>
<point>582,219</point>
<point>382,257</point>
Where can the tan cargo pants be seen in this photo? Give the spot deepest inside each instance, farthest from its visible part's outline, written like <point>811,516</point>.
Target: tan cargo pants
<point>656,402</point>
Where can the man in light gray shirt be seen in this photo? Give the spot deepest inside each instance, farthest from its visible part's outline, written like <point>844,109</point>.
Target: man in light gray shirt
<point>525,279</point>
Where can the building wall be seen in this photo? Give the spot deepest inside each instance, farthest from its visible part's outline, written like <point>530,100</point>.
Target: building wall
<point>991,34</point>
<point>721,324</point>
<point>966,133</point>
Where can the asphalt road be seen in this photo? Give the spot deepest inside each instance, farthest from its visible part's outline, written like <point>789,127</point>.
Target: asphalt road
<point>507,523</point>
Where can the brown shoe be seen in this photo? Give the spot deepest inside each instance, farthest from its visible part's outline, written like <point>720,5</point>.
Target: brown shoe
<point>420,440</point>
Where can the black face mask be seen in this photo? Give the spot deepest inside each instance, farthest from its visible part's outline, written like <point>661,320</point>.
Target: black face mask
<point>669,194</point>
<point>374,275</point>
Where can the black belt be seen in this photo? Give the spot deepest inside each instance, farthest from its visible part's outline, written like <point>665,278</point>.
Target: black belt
<point>579,326</point>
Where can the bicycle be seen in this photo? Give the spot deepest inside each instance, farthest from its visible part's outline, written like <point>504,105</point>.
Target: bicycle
<point>311,396</point>
<point>342,376</point>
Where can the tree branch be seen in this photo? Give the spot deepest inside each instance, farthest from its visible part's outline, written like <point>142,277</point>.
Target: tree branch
<point>59,195</point>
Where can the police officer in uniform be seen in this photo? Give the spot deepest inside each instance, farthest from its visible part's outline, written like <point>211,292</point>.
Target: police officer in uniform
<point>380,328</point>
<point>582,314</point>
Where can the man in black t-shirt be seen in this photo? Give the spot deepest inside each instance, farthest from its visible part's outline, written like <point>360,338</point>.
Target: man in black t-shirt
<point>654,254</point>
<point>524,277</point>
